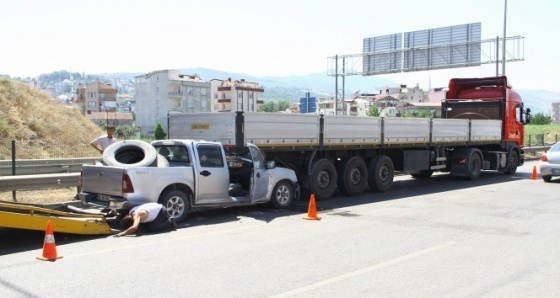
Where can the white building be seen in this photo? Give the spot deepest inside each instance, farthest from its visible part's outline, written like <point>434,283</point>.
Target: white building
<point>235,95</point>
<point>357,107</point>
<point>403,93</point>
<point>164,91</point>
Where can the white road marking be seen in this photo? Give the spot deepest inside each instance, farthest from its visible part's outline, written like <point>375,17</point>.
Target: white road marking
<point>364,270</point>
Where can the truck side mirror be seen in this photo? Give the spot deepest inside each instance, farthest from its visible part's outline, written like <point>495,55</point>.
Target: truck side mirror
<point>271,164</point>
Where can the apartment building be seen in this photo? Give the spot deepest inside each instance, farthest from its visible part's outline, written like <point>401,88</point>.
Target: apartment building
<point>96,97</point>
<point>327,107</point>
<point>235,95</point>
<point>555,112</point>
<point>404,93</point>
<point>160,92</point>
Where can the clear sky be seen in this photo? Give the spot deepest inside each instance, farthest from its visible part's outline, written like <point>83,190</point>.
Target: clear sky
<point>259,37</point>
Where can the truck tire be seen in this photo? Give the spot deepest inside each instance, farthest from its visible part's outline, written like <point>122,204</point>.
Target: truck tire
<point>323,179</point>
<point>380,173</point>
<point>422,174</point>
<point>177,204</point>
<point>282,195</point>
<point>131,153</point>
<point>475,166</point>
<point>512,162</point>
<point>352,176</point>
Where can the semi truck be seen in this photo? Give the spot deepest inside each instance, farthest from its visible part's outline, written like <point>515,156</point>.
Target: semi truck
<point>481,128</point>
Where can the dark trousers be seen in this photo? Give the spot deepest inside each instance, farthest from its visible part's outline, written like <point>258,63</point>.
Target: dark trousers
<point>160,223</point>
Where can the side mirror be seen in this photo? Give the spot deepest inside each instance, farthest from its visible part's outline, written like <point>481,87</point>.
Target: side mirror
<point>270,164</point>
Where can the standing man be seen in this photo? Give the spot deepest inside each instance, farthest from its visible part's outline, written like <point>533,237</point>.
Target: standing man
<point>153,215</point>
<point>101,143</point>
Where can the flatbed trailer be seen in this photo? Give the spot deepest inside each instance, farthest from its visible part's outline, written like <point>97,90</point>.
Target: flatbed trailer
<point>481,129</point>
<point>35,217</point>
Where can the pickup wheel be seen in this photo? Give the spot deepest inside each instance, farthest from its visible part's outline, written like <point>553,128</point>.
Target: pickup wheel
<point>177,204</point>
<point>352,176</point>
<point>546,178</point>
<point>381,173</point>
<point>323,179</point>
<point>282,195</point>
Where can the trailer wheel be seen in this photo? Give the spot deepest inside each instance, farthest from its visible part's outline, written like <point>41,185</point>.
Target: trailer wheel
<point>423,174</point>
<point>512,162</point>
<point>323,179</point>
<point>381,173</point>
<point>177,204</point>
<point>352,176</point>
<point>282,195</point>
<point>475,166</point>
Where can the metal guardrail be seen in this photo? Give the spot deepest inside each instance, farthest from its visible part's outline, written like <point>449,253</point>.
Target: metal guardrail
<point>535,149</point>
<point>42,181</point>
<point>45,166</point>
<point>53,178</point>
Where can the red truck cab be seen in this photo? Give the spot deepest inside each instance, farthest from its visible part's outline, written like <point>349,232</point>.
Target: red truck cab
<point>488,98</point>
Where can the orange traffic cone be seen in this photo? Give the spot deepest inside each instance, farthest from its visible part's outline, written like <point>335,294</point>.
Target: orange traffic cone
<point>312,210</point>
<point>535,176</point>
<point>49,248</point>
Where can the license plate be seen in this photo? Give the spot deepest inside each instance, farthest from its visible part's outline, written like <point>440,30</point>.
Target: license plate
<point>103,198</point>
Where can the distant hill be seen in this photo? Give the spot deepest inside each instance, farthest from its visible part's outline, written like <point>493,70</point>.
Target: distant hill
<point>42,126</point>
<point>539,101</point>
<point>321,85</point>
<point>293,87</point>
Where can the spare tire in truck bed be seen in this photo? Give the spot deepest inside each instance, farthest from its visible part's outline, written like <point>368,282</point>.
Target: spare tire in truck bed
<point>133,153</point>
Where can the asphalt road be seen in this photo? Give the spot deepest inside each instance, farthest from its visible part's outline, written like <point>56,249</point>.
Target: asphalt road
<point>442,237</point>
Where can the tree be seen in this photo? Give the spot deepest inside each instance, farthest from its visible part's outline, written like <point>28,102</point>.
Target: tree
<point>159,133</point>
<point>274,106</point>
<point>373,112</point>
<point>423,113</point>
<point>126,132</point>
<point>541,119</point>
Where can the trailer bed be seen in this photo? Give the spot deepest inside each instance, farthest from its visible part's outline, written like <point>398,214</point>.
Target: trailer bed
<point>297,131</point>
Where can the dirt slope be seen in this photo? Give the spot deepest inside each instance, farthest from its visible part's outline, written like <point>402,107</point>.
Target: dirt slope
<point>38,122</point>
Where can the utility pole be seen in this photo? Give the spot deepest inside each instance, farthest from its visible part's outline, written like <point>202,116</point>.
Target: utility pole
<point>504,41</point>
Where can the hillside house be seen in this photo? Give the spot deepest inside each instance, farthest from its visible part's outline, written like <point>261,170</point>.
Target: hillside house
<point>235,95</point>
<point>96,97</point>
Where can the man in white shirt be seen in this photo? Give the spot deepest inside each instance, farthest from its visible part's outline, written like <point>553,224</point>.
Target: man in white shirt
<point>153,215</point>
<point>101,143</point>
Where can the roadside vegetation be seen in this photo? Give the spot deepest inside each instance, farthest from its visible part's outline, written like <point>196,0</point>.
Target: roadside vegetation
<point>41,126</point>
<point>541,131</point>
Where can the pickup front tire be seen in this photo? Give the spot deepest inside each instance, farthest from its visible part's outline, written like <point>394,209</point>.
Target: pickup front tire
<point>282,195</point>
<point>177,204</point>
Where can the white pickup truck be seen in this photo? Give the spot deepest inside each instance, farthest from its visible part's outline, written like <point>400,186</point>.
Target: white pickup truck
<point>185,174</point>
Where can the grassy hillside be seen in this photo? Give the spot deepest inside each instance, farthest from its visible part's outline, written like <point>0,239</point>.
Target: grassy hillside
<point>550,133</point>
<point>41,126</point>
